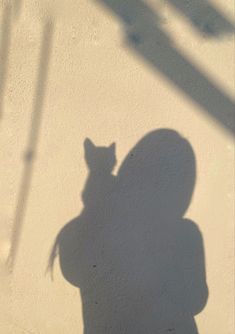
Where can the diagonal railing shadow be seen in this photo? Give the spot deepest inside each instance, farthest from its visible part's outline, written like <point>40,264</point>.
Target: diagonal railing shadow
<point>204,17</point>
<point>150,42</point>
<point>43,68</point>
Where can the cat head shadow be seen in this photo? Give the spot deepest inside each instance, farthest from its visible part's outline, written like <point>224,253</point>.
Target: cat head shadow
<point>99,158</point>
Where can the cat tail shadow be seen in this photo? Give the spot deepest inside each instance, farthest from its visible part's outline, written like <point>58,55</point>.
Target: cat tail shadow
<point>51,259</point>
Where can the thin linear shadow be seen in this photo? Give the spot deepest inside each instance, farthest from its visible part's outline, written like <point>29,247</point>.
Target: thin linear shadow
<point>4,51</point>
<point>29,158</point>
<point>9,9</point>
<point>145,36</point>
<point>139,263</point>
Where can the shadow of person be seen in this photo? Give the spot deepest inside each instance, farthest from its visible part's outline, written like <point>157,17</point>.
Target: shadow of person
<point>138,263</point>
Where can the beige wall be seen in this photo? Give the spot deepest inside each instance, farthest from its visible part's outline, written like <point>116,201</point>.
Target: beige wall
<point>69,68</point>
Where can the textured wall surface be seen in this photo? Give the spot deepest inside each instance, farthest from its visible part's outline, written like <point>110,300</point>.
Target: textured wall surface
<point>116,72</point>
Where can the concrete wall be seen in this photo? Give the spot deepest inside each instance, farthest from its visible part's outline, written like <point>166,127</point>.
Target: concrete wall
<point>115,73</point>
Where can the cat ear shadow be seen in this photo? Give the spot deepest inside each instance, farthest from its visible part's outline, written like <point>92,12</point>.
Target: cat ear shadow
<point>113,146</point>
<point>88,144</point>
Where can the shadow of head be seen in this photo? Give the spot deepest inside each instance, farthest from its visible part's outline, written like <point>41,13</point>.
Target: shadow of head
<point>160,172</point>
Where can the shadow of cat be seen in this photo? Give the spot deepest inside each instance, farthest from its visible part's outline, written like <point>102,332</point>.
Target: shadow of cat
<point>138,263</point>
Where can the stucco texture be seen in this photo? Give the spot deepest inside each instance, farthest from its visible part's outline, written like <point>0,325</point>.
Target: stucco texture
<point>117,167</point>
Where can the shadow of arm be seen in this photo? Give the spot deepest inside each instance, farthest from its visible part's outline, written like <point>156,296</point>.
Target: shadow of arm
<point>194,275</point>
